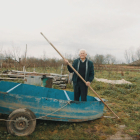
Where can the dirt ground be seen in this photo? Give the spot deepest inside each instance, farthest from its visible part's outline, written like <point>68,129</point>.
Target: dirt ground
<point>120,135</point>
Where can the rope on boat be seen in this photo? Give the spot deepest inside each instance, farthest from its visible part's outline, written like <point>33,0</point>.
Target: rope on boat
<point>54,111</point>
<point>50,114</point>
<point>41,116</point>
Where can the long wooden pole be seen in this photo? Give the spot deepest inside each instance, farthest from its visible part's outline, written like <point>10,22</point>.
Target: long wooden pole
<point>79,75</point>
<point>25,61</point>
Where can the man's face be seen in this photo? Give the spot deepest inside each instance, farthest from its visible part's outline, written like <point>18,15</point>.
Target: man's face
<point>82,54</point>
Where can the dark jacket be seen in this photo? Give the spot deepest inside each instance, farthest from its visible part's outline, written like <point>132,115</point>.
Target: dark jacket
<point>89,75</point>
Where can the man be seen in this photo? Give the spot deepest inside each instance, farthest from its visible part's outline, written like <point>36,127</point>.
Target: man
<point>86,69</point>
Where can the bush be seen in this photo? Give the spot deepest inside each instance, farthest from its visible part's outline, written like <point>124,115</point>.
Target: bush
<point>106,92</point>
<point>133,79</point>
<point>97,87</point>
<point>122,91</point>
<point>128,86</point>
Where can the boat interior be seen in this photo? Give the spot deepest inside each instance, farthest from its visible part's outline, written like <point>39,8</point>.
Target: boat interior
<point>38,92</point>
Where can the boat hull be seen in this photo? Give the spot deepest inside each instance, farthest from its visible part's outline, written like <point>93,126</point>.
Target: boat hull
<point>39,100</point>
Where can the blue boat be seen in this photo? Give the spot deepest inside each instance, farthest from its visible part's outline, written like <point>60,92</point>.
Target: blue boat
<point>26,103</point>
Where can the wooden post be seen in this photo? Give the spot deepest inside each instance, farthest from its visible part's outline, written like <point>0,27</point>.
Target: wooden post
<point>25,61</point>
<point>62,69</point>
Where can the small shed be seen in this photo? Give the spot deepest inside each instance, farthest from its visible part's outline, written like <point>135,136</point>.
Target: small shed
<point>44,81</point>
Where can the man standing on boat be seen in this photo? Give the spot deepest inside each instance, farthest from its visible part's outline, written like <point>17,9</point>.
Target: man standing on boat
<point>86,69</point>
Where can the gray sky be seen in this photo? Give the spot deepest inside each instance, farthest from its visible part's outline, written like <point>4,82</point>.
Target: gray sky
<point>99,26</point>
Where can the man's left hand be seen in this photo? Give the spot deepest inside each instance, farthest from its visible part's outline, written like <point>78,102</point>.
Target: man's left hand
<point>87,83</point>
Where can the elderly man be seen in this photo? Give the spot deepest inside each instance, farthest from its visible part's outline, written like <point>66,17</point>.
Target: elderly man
<point>86,70</point>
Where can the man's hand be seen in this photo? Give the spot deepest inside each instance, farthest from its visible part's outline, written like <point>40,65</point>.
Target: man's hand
<point>66,61</point>
<point>87,83</point>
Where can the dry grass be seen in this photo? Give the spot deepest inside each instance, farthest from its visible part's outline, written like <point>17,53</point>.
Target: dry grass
<point>124,100</point>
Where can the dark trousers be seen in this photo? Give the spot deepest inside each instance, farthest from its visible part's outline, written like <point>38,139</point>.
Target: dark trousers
<point>80,89</point>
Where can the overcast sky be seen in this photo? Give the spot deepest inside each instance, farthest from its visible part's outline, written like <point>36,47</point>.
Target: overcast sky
<point>99,26</point>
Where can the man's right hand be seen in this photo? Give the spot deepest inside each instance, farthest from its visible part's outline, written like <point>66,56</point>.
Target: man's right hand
<point>66,61</point>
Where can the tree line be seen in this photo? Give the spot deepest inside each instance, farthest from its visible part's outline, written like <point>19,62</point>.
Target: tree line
<point>12,58</point>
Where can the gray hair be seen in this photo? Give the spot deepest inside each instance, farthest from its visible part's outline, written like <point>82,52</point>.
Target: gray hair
<point>82,50</point>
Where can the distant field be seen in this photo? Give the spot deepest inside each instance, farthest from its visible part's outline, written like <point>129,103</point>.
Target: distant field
<point>124,100</point>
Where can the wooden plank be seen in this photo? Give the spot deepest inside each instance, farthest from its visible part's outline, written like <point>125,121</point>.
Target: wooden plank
<point>2,78</point>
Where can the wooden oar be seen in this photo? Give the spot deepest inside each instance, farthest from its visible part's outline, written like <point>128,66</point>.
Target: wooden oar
<point>79,75</point>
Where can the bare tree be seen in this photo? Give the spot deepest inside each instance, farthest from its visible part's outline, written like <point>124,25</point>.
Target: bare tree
<point>15,53</point>
<point>68,56</point>
<point>138,53</point>
<point>130,56</point>
<point>127,56</point>
<point>44,56</point>
<point>110,59</point>
<point>133,56</point>
<point>99,59</point>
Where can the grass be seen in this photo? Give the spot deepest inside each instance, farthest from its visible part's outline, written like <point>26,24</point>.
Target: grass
<point>124,100</point>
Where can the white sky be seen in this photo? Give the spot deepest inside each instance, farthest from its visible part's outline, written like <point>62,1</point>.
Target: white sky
<point>99,26</point>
